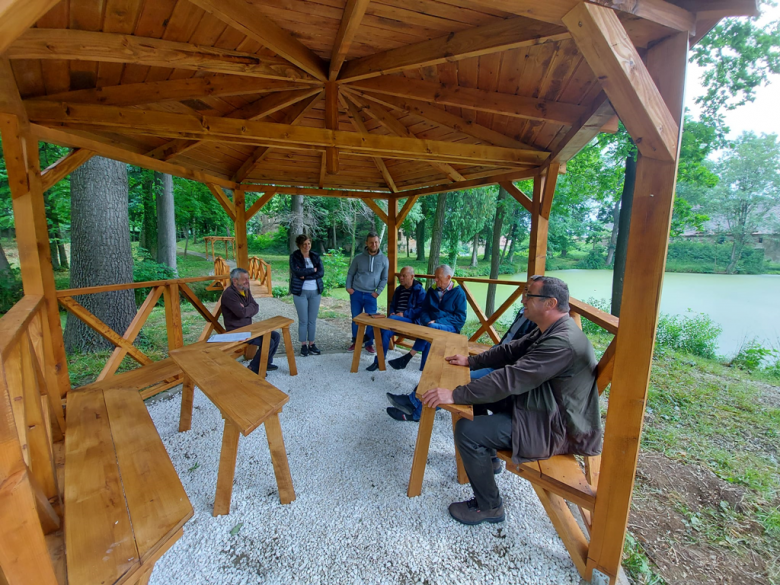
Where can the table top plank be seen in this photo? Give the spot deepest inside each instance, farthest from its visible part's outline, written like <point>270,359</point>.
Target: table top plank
<point>156,500</point>
<point>256,329</point>
<point>98,532</point>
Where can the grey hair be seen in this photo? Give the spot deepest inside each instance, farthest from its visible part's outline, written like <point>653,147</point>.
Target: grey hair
<point>409,268</point>
<point>446,270</point>
<point>554,288</point>
<point>236,272</point>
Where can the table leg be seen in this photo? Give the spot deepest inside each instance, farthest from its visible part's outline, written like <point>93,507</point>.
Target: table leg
<point>358,348</point>
<point>263,366</point>
<point>187,397</point>
<point>290,351</point>
<point>227,469</point>
<point>380,352</point>
<point>463,478</point>
<point>421,451</point>
<point>284,483</point>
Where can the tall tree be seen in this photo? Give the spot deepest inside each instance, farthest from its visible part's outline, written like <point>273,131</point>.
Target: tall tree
<point>296,220</point>
<point>495,253</point>
<point>149,218</point>
<point>166,221</point>
<point>436,233</point>
<point>100,250</point>
<point>467,213</point>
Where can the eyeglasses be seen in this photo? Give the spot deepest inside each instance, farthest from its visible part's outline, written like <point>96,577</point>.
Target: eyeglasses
<point>527,295</point>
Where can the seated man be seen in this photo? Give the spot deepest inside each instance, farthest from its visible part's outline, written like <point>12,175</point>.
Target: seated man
<point>238,308</point>
<point>405,306</point>
<point>444,308</point>
<point>407,407</point>
<point>543,396</point>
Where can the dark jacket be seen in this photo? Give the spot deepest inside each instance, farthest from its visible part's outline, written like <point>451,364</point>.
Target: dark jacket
<point>237,311</point>
<point>551,378</point>
<point>416,299</point>
<point>450,310</point>
<point>298,269</point>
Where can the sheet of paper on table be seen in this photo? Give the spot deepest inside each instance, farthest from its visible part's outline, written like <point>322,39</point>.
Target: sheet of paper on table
<point>229,337</point>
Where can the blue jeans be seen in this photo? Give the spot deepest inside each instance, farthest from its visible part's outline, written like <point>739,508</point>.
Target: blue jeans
<point>417,403</point>
<point>477,374</point>
<point>362,302</point>
<point>424,346</point>
<point>387,334</point>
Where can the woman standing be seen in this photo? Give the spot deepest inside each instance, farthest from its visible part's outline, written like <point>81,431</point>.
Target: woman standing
<point>306,272</point>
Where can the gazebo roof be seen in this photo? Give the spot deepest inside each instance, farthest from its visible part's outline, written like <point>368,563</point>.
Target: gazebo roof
<point>430,93</point>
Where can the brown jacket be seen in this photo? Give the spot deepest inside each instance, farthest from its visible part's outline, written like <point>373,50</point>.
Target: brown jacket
<point>551,378</point>
<point>237,310</point>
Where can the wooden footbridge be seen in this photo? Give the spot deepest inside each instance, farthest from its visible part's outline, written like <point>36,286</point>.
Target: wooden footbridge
<point>377,100</point>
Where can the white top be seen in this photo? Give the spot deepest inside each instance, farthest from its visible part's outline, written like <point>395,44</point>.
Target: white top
<point>309,284</point>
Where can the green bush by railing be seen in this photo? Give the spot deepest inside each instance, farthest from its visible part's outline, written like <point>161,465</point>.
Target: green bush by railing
<point>710,257</point>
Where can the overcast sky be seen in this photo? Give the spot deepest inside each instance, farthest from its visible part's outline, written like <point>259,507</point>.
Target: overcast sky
<point>762,115</point>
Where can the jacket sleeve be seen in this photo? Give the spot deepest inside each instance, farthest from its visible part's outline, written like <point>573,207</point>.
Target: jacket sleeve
<point>351,272</point>
<point>383,276</point>
<point>425,316</point>
<point>542,363</point>
<point>415,305</point>
<point>296,270</point>
<point>232,303</point>
<point>457,317</point>
<point>252,308</point>
<point>319,269</point>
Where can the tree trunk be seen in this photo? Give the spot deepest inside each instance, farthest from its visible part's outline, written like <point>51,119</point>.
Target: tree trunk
<point>511,253</point>
<point>621,244</point>
<point>149,224</point>
<point>4,265</point>
<point>296,220</point>
<point>736,252</point>
<point>474,251</point>
<point>55,257</point>
<point>495,253</point>
<point>335,239</point>
<point>186,241</point>
<point>419,235</point>
<point>61,249</point>
<point>100,248</point>
<point>438,224</point>
<point>353,233</point>
<point>407,244</point>
<point>613,237</point>
<point>488,244</point>
<point>166,222</point>
<point>54,226</point>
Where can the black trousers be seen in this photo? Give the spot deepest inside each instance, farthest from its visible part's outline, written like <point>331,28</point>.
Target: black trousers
<point>477,441</point>
<point>258,341</point>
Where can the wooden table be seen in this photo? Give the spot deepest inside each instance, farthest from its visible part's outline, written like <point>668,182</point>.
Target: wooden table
<point>245,400</point>
<point>437,373</point>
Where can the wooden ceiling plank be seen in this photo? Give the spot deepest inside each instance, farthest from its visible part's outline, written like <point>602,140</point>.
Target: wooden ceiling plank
<point>245,17</point>
<point>64,166</point>
<point>474,99</point>
<point>136,94</point>
<point>16,16</point>
<point>500,36</point>
<point>172,148</point>
<point>312,192</point>
<point>79,45</point>
<point>350,21</point>
<point>468,184</point>
<point>609,52</point>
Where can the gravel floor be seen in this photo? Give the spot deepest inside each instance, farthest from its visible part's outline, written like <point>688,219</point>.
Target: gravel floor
<point>351,521</point>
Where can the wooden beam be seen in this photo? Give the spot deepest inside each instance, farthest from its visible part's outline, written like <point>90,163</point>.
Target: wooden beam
<point>260,203</point>
<point>360,126</point>
<point>392,246</point>
<point>350,21</point>
<point>223,200</point>
<point>295,115</point>
<point>331,123</point>
<point>241,252</point>
<point>62,138</point>
<point>519,196</point>
<point>16,16</point>
<point>312,192</point>
<point>493,102</point>
<point>585,130</point>
<point>378,211</point>
<point>246,18</point>
<point>430,114</point>
<point>468,184</point>
<point>81,45</point>
<point>718,9</point>
<point>136,94</point>
<point>65,166</point>
<point>406,209</point>
<point>323,171</point>
<point>551,179</point>
<point>496,37</point>
<point>10,101</point>
<point>173,148</point>
<point>610,54</point>
<point>537,242</point>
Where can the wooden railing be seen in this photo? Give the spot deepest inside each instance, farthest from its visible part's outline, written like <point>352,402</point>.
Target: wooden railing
<point>172,291</point>
<point>259,272</point>
<point>31,420</point>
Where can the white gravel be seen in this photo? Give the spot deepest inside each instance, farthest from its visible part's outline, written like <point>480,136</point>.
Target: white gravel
<point>351,521</point>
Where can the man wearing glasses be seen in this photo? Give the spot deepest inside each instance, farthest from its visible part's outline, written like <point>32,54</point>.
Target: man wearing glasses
<point>542,394</point>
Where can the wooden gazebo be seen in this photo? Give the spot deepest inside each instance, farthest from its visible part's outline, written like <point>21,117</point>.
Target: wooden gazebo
<point>382,99</point>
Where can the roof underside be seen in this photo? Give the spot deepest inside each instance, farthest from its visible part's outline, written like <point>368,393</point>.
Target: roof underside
<point>526,98</point>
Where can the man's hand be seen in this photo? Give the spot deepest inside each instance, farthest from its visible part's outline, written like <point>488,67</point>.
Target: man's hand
<point>458,360</point>
<point>437,396</point>
<point>350,290</point>
<point>302,277</point>
<point>375,294</point>
<point>398,314</point>
<point>429,322</point>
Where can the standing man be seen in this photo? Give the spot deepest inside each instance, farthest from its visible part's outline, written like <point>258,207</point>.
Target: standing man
<point>238,308</point>
<point>542,393</point>
<point>366,279</point>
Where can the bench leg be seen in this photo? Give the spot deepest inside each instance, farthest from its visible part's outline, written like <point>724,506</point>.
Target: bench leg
<point>187,398</point>
<point>358,348</point>
<point>290,351</point>
<point>463,478</point>
<point>284,483</point>
<point>421,451</point>
<point>380,352</point>
<point>227,469</point>
<point>264,350</point>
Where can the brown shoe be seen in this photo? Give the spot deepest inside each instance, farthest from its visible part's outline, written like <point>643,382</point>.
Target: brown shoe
<point>469,513</point>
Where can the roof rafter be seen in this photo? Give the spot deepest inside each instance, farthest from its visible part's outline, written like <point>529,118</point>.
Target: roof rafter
<point>350,21</point>
<point>360,126</point>
<point>16,16</point>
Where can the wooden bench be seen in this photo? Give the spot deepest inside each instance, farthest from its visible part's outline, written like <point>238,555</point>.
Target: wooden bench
<point>124,503</point>
<point>245,400</point>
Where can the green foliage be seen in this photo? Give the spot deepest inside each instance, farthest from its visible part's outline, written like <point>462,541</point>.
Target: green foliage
<point>10,289</point>
<point>279,291</point>
<point>596,258</point>
<point>335,265</point>
<point>589,327</point>
<point>637,565</point>
<point>695,334</point>
<point>751,355</point>
<point>273,242</point>
<point>145,270</point>
<point>709,257</point>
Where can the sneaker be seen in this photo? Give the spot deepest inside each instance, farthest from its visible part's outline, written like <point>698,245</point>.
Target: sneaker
<point>304,350</point>
<point>401,402</point>
<point>271,367</point>
<point>371,349</point>
<point>469,513</point>
<point>373,367</point>
<point>314,350</point>
<point>497,467</point>
<point>351,347</point>
<point>401,362</point>
<point>400,415</point>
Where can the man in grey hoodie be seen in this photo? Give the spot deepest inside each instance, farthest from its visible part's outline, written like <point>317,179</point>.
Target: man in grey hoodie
<point>366,279</point>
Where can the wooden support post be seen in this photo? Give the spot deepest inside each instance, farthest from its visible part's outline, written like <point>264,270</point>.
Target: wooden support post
<point>331,123</point>
<point>544,189</point>
<point>358,348</point>
<point>392,246</point>
<point>421,452</point>
<point>645,263</point>
<point>240,252</point>
<point>288,348</point>
<point>187,398</point>
<point>463,477</point>
<point>284,482</point>
<point>227,469</point>
<point>173,316</point>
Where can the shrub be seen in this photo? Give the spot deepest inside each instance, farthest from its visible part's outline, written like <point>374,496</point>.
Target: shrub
<point>10,289</point>
<point>709,257</point>
<point>269,242</point>
<point>279,291</point>
<point>751,356</point>
<point>695,333</point>
<point>336,266</point>
<point>596,258</point>
<point>589,327</point>
<point>148,270</point>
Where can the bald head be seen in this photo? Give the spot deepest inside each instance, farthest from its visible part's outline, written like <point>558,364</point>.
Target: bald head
<point>406,276</point>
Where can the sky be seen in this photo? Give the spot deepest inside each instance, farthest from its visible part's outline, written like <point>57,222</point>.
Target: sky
<point>759,116</point>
